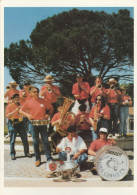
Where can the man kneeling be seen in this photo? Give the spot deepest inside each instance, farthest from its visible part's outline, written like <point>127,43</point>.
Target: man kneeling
<point>74,145</point>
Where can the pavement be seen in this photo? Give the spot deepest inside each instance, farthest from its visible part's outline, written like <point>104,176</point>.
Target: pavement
<point>23,173</point>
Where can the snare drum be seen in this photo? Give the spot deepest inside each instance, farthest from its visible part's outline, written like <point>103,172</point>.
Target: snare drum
<point>111,163</point>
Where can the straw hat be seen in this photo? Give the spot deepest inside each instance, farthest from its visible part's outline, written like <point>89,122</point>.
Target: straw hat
<point>13,83</point>
<point>112,80</point>
<point>48,78</point>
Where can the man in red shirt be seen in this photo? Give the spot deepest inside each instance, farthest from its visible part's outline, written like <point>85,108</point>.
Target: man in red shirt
<point>80,90</point>
<point>102,141</point>
<point>15,125</point>
<point>83,125</point>
<point>113,96</point>
<point>96,90</point>
<point>125,102</point>
<point>25,95</point>
<point>51,93</point>
<point>36,110</point>
<point>11,91</point>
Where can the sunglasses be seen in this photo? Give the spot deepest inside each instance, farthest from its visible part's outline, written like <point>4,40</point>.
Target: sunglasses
<point>35,91</point>
<point>98,100</point>
<point>123,90</point>
<point>103,133</point>
<point>13,85</point>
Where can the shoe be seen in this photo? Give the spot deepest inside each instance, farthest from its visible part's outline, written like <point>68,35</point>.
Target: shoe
<point>28,155</point>
<point>110,135</point>
<point>125,135</point>
<point>50,159</point>
<point>37,163</point>
<point>117,134</point>
<point>13,158</point>
<point>7,136</point>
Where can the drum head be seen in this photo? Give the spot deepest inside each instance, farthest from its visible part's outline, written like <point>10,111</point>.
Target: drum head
<point>111,163</point>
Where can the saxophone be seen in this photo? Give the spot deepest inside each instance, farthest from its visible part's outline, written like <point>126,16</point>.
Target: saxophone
<point>95,118</point>
<point>67,118</point>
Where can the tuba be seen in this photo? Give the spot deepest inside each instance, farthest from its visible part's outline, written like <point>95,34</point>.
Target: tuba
<point>67,118</point>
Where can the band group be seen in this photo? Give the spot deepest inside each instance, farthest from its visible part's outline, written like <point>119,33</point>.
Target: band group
<point>79,127</point>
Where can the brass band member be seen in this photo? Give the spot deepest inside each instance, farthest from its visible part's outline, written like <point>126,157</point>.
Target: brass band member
<point>113,97</point>
<point>37,110</point>
<point>15,125</point>
<point>62,120</point>
<point>11,90</point>
<point>125,102</point>
<point>99,116</point>
<point>80,91</point>
<point>83,125</point>
<point>96,90</point>
<point>51,93</point>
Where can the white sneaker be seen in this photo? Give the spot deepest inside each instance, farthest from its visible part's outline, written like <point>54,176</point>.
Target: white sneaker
<point>7,136</point>
<point>110,135</point>
<point>116,134</point>
<point>29,135</point>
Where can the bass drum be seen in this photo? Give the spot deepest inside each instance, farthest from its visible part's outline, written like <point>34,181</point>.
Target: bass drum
<point>111,163</point>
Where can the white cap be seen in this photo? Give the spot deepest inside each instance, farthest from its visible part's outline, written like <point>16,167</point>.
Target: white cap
<point>103,130</point>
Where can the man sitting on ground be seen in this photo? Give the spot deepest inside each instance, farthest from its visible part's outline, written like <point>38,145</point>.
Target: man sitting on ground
<point>75,145</point>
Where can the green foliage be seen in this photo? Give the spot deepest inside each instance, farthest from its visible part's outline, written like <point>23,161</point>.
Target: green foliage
<point>86,42</point>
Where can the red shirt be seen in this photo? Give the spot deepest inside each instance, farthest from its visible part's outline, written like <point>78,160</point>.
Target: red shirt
<point>105,110</point>
<point>97,144</point>
<point>55,117</point>
<point>24,99</point>
<point>85,125</point>
<point>10,108</point>
<point>83,94</point>
<point>125,98</point>
<point>112,97</point>
<point>96,93</point>
<point>50,95</point>
<point>11,92</point>
<point>36,107</point>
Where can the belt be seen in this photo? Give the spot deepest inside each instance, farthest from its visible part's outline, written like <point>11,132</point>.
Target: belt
<point>16,120</point>
<point>39,122</point>
<point>113,104</point>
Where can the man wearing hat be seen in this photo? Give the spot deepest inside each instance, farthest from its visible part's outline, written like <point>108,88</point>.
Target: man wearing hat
<point>96,90</point>
<point>102,141</point>
<point>74,145</point>
<point>15,125</point>
<point>25,95</point>
<point>11,90</point>
<point>80,90</point>
<point>51,93</point>
<point>113,97</point>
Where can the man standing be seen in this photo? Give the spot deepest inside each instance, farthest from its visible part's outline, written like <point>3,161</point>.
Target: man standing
<point>37,110</point>
<point>80,90</point>
<point>24,95</point>
<point>15,125</point>
<point>50,92</point>
<point>75,145</point>
<point>113,97</point>
<point>11,90</point>
<point>96,90</point>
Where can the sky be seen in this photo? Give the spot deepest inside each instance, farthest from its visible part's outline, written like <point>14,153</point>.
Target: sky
<point>19,22</point>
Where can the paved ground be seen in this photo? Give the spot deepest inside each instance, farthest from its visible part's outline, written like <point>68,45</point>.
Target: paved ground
<point>23,173</point>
